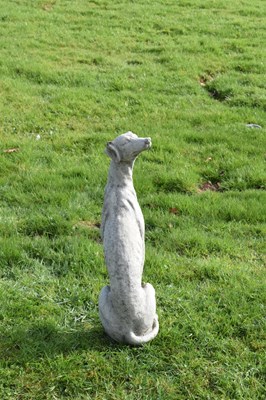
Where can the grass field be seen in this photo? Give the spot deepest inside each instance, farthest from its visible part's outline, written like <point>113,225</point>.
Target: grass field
<point>190,74</point>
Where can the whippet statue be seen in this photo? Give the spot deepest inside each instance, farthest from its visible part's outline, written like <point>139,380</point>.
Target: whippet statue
<point>127,307</point>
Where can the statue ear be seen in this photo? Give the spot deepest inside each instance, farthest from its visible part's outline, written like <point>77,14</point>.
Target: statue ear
<point>112,151</point>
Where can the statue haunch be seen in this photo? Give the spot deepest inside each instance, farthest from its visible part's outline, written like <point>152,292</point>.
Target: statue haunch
<point>127,308</point>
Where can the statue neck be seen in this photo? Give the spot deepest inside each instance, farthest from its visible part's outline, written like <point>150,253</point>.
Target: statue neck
<point>121,173</point>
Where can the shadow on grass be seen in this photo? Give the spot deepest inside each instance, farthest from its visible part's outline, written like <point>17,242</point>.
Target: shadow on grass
<point>47,340</point>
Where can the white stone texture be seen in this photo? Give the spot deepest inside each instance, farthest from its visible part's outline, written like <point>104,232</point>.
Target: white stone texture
<point>127,307</point>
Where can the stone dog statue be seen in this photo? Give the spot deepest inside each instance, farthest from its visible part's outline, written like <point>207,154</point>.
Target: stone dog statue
<point>127,308</point>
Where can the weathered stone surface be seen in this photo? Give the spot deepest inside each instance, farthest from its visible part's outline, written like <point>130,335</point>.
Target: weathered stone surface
<point>127,307</point>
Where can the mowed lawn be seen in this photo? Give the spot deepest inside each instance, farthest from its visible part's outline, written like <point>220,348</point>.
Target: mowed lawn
<point>192,76</point>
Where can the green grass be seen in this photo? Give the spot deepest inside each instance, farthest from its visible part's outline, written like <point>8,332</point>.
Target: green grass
<point>190,74</point>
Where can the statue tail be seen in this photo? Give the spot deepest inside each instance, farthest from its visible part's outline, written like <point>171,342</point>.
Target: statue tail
<point>139,340</point>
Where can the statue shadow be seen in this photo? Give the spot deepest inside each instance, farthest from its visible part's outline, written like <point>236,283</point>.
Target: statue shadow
<point>34,342</point>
